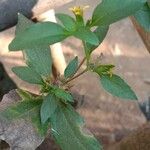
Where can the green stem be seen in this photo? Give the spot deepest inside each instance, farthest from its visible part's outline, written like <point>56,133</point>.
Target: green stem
<point>78,75</point>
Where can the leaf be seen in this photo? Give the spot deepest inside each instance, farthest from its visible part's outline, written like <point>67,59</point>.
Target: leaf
<point>67,21</point>
<point>28,75</point>
<point>23,24</point>
<point>117,87</point>
<point>110,11</point>
<point>39,59</point>
<point>68,133</point>
<point>148,3</point>
<point>103,69</point>
<point>39,34</point>
<point>100,32</point>
<point>26,109</point>
<point>48,107</point>
<point>25,94</point>
<point>143,17</point>
<point>42,129</point>
<point>63,95</point>
<point>71,68</point>
<point>86,35</point>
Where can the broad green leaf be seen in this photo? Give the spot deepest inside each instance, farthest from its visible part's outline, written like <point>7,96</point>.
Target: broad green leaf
<point>68,133</point>
<point>63,95</point>
<point>23,24</point>
<point>103,69</point>
<point>48,107</point>
<point>38,58</point>
<point>67,21</point>
<point>117,87</point>
<point>100,32</point>
<point>86,35</point>
<point>110,11</point>
<point>71,68</point>
<point>28,75</point>
<point>29,110</point>
<point>39,34</point>
<point>143,17</point>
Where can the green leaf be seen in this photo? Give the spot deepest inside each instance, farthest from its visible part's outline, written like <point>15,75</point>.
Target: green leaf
<point>28,75</point>
<point>117,87</point>
<point>27,109</point>
<point>23,24</point>
<point>39,59</point>
<point>103,69</point>
<point>39,34</point>
<point>42,129</point>
<point>48,107</point>
<point>63,95</point>
<point>67,21</point>
<point>143,17</point>
<point>71,68</point>
<point>68,133</point>
<point>86,35</point>
<point>100,32</point>
<point>25,94</point>
<point>110,11</point>
<point>148,3</point>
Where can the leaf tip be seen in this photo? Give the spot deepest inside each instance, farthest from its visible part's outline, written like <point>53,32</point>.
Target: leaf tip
<point>10,46</point>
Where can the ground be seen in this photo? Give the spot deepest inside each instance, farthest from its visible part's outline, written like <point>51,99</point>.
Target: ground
<point>109,118</point>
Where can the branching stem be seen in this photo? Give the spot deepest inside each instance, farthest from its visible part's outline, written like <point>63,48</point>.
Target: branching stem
<point>76,76</point>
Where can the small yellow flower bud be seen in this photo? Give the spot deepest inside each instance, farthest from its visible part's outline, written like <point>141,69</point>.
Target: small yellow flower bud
<point>78,10</point>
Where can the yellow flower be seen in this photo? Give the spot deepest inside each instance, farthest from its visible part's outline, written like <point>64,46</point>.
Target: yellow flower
<point>78,10</point>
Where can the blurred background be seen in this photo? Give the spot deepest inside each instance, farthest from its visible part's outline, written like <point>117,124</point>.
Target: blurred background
<point>108,118</point>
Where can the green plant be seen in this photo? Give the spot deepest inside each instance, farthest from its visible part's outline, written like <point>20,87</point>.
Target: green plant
<point>52,108</point>
<point>143,16</point>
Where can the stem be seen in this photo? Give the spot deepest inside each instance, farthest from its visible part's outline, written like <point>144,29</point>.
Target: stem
<point>84,71</point>
<point>81,64</point>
